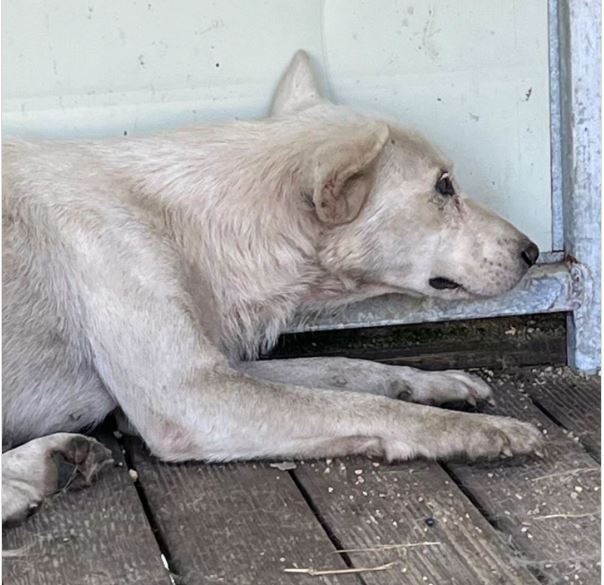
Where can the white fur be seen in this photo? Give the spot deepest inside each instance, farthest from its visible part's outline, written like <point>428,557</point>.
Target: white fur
<point>138,272</point>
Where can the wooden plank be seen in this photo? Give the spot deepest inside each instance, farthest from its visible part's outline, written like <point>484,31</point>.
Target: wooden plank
<point>493,343</point>
<point>240,524</point>
<point>571,399</point>
<point>368,505</point>
<point>550,508</point>
<point>99,535</point>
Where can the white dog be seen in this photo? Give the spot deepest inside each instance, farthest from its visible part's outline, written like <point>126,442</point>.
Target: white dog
<point>139,273</point>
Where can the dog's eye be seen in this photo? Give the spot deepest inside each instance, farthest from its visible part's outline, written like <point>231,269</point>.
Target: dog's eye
<point>444,185</point>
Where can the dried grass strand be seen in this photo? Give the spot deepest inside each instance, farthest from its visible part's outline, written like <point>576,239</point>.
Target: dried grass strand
<point>565,516</point>
<point>320,572</point>
<point>389,547</point>
<point>569,472</point>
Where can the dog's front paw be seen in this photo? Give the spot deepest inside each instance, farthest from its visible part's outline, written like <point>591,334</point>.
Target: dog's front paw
<point>498,436</point>
<point>449,386</point>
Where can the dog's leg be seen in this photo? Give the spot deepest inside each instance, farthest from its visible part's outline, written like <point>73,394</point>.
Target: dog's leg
<point>178,390</point>
<point>357,375</point>
<point>232,416</point>
<point>44,466</point>
<point>226,415</point>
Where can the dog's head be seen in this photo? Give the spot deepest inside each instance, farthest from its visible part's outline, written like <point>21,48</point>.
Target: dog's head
<point>394,214</point>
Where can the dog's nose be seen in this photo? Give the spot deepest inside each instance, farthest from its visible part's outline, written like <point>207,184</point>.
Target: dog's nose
<point>530,254</point>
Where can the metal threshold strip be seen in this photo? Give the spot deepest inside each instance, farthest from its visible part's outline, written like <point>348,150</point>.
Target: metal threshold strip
<point>548,288</point>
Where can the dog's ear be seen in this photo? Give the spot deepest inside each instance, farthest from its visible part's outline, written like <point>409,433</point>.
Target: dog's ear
<point>344,171</point>
<point>298,88</point>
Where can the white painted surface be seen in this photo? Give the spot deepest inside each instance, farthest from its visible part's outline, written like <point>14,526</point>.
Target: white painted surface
<point>460,71</point>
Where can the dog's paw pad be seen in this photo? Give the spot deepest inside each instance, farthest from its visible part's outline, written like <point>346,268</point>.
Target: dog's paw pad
<point>80,461</point>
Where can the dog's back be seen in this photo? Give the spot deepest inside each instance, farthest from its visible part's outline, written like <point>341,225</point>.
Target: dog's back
<point>85,221</point>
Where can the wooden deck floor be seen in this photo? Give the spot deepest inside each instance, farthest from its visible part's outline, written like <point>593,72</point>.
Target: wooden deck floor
<point>505,522</point>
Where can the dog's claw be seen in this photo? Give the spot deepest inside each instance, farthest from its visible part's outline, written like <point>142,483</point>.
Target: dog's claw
<point>491,401</point>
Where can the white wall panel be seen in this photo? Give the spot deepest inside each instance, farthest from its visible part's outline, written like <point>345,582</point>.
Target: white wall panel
<point>471,74</point>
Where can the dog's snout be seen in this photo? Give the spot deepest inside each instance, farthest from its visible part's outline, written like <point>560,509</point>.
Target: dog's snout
<point>530,254</point>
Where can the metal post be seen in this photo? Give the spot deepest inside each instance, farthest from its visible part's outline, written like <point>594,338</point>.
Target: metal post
<point>580,91</point>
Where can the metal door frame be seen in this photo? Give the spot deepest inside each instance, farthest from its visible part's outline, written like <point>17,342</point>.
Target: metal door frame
<point>568,277</point>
